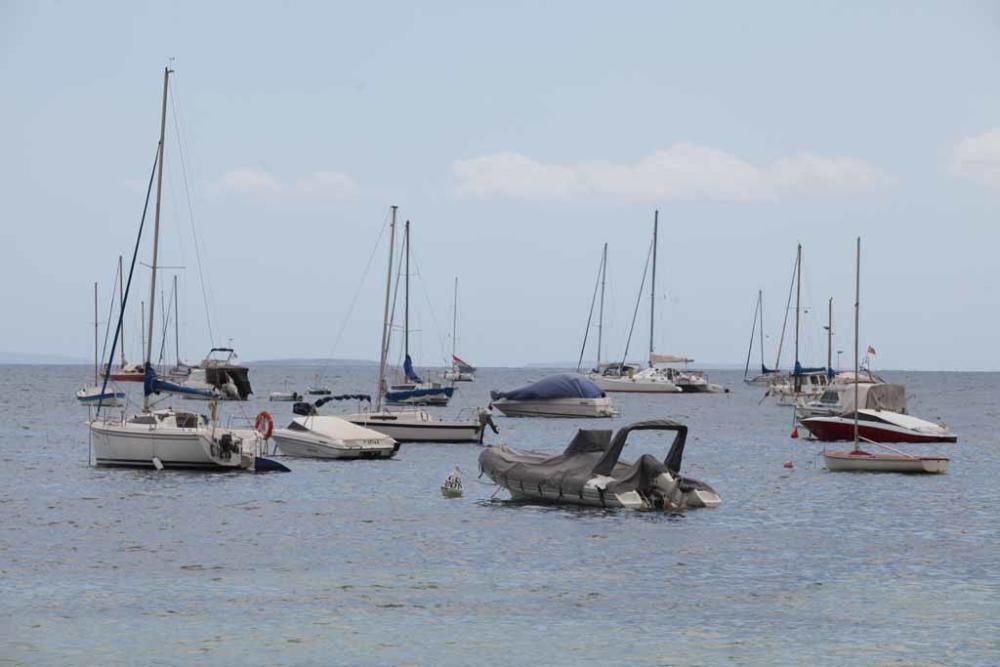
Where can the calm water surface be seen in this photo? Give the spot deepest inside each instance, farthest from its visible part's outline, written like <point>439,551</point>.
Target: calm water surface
<point>365,562</point>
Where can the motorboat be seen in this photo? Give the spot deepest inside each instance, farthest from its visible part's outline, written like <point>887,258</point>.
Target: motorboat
<point>221,387</point>
<point>126,373</point>
<point>328,437</point>
<point>839,399</point>
<point>98,395</point>
<point>561,395</point>
<point>222,369</point>
<point>589,472</point>
<point>688,381</point>
<point>455,375</point>
<point>877,426</point>
<point>802,386</point>
<point>286,396</point>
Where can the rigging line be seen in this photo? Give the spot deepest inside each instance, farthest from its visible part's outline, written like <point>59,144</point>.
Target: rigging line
<point>590,317</point>
<point>437,329</point>
<point>167,310</point>
<point>788,305</point>
<point>392,308</point>
<point>128,285</point>
<point>205,288</point>
<point>354,299</point>
<point>753,331</point>
<point>638,301</point>
<point>111,311</point>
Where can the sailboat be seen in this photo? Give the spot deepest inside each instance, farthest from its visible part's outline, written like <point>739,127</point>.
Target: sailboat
<point>804,382</point>
<point>125,372</point>
<point>97,394</point>
<point>169,438</point>
<point>414,391</point>
<point>766,374</point>
<point>622,377</point>
<point>411,425</point>
<point>459,371</point>
<point>857,459</point>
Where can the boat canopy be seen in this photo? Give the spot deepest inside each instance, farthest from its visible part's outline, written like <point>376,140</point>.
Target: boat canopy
<point>668,359</point>
<point>562,385</point>
<point>890,397</point>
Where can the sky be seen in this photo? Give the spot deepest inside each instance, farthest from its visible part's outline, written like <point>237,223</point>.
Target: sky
<point>518,138</point>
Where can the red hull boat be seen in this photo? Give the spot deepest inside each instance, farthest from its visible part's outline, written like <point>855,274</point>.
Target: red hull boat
<point>877,426</point>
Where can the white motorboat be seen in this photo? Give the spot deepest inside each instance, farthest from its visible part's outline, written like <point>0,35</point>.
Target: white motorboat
<point>96,395</point>
<point>839,399</point>
<point>645,381</point>
<point>589,472</point>
<point>287,396</point>
<point>562,395</point>
<point>877,426</point>
<point>327,437</point>
<point>169,438</point>
<point>455,375</point>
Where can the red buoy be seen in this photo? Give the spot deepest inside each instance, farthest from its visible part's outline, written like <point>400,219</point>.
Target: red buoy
<point>795,432</point>
<point>789,464</point>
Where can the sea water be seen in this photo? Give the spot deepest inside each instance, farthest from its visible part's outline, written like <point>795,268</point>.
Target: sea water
<point>366,563</point>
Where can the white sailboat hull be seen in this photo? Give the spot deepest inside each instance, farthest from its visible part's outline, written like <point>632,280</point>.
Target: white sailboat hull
<point>557,407</point>
<point>865,462</point>
<point>137,445</point>
<point>636,385</point>
<point>418,426</point>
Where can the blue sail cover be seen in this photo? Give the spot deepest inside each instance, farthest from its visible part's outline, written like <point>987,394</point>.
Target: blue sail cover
<point>151,384</point>
<point>563,385</point>
<point>411,374</point>
<point>767,371</point>
<point>803,370</point>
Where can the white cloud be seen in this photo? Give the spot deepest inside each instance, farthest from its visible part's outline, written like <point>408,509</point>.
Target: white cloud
<point>320,184</point>
<point>978,158</point>
<point>683,171</point>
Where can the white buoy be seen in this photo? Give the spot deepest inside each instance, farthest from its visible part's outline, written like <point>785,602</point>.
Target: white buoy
<point>157,463</point>
<point>452,487</point>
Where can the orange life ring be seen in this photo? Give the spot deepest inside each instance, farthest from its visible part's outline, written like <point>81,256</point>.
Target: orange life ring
<point>264,424</point>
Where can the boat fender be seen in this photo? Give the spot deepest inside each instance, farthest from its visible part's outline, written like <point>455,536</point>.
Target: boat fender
<point>264,424</point>
<point>600,492</point>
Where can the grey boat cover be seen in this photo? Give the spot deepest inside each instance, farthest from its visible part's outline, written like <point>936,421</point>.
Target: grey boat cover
<point>890,397</point>
<point>562,385</point>
<point>590,453</point>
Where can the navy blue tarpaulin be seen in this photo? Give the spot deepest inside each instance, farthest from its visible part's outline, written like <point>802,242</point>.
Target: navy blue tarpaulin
<point>411,374</point>
<point>563,385</point>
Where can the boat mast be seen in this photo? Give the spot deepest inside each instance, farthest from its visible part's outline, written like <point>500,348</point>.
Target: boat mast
<point>857,304</point>
<point>600,315</point>
<point>760,308</point>
<point>177,327</point>
<point>406,293</point>
<point>96,361</point>
<point>156,228</point>
<point>829,337</point>
<point>384,350</point>
<point>652,288</point>
<point>121,306</point>
<point>798,299</point>
<point>454,323</point>
<point>784,321</point>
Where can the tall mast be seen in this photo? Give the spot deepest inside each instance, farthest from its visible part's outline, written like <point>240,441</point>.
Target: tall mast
<point>406,294</point>
<point>121,305</point>
<point>798,300</point>
<point>784,321</point>
<point>652,288</point>
<point>857,305</point>
<point>96,361</point>
<point>829,337</point>
<point>177,326</point>
<point>156,226</point>
<point>760,308</point>
<point>384,351</point>
<point>454,323</point>
<point>600,316</point>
